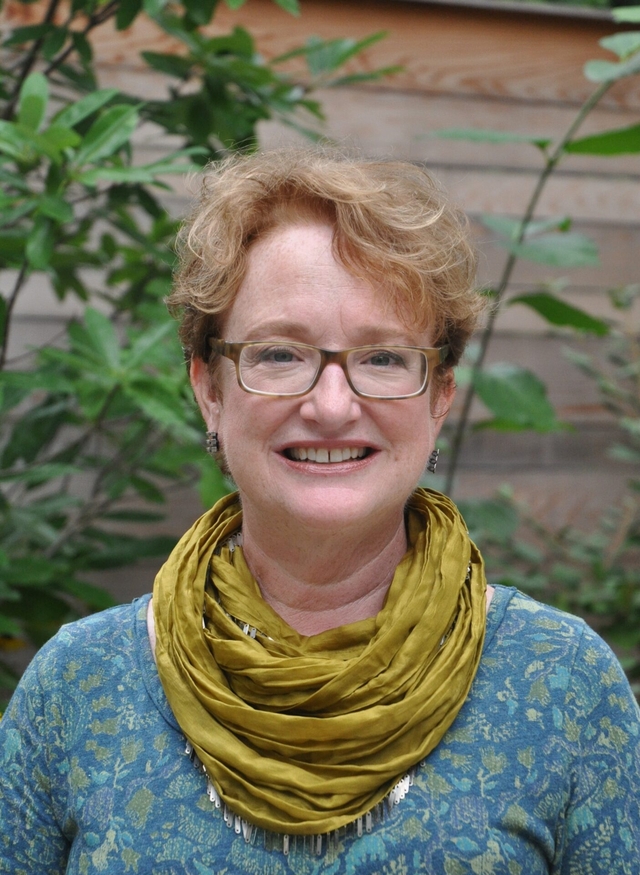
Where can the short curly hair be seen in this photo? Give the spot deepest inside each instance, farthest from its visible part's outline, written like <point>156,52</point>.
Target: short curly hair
<point>391,220</point>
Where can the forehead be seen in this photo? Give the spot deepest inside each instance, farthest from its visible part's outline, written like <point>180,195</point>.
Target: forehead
<point>294,286</point>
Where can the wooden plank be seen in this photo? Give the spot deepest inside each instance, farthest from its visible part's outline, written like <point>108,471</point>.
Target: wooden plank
<point>449,50</point>
<point>402,125</point>
<point>443,49</point>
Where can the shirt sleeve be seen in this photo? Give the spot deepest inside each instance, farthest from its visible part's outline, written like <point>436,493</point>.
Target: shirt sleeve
<point>602,722</point>
<point>31,837</point>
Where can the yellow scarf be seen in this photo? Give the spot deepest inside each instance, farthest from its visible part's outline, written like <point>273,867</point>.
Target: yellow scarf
<point>301,735</point>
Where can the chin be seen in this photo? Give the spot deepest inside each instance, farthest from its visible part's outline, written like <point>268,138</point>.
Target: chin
<point>332,508</point>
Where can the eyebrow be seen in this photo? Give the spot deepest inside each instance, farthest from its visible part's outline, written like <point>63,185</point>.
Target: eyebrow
<point>367,335</point>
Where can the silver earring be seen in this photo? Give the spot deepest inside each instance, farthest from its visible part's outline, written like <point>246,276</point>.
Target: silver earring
<point>433,461</point>
<point>213,444</point>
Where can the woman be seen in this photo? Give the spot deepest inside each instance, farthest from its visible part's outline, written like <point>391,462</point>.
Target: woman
<point>322,646</point>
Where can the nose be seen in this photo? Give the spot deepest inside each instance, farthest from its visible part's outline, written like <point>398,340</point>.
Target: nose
<point>332,403</point>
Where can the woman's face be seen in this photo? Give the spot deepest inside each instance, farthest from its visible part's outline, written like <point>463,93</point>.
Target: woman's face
<point>295,290</point>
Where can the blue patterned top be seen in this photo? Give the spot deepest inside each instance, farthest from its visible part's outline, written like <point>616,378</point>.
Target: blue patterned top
<point>540,772</point>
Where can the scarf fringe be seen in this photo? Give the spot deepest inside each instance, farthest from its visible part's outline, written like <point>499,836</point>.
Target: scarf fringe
<point>315,845</point>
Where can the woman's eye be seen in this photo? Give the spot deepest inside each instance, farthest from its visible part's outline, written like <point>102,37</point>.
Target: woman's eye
<point>384,359</point>
<point>276,355</point>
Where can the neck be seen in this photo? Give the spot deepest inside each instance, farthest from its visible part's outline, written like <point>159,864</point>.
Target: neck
<point>317,580</point>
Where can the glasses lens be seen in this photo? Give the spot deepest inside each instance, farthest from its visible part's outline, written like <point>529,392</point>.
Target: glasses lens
<point>387,371</point>
<point>278,368</point>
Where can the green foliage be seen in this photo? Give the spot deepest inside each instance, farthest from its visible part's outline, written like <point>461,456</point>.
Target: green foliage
<point>515,397</point>
<point>557,312</point>
<point>593,574</point>
<point>96,427</point>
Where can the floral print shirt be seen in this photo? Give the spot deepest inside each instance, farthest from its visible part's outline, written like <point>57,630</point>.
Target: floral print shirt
<point>539,773</point>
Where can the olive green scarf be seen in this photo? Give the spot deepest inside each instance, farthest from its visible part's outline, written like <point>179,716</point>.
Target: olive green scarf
<point>302,735</point>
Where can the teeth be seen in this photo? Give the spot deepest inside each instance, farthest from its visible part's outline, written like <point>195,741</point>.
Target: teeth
<point>322,455</point>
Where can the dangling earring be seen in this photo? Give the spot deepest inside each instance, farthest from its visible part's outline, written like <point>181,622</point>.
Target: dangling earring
<point>213,444</point>
<point>433,461</point>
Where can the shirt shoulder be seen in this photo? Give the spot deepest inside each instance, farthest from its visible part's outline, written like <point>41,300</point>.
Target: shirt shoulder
<point>561,672</point>
<point>89,651</point>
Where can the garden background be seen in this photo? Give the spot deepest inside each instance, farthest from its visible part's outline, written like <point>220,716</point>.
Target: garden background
<point>106,105</point>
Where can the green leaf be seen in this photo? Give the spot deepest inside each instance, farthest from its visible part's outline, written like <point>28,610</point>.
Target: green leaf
<point>108,134</point>
<point>558,250</point>
<point>134,516</point>
<point>171,65</point>
<point>156,405</point>
<point>55,208</point>
<point>130,175</point>
<point>146,174</point>
<point>562,249</point>
<point>239,42</point>
<point>33,431</point>
<point>57,138</point>
<point>325,56</point>
<point>94,597</point>
<point>42,473</point>
<point>34,97</point>
<point>127,12</point>
<point>9,627</point>
<point>490,517</point>
<point>200,11</point>
<point>291,6</point>
<point>146,342</point>
<point>15,144</point>
<point>558,312</point>
<point>621,141</point>
<point>147,490</point>
<point>517,398</point>
<point>235,4</point>
<point>23,35</point>
<point>53,42</point>
<point>31,570</point>
<point>609,71</point>
<point>103,338</point>
<point>154,7</point>
<point>76,112</point>
<point>622,44</point>
<point>480,135</point>
<point>39,247</point>
<point>510,228</point>
<point>120,550</point>
<point>17,209</point>
<point>82,46</point>
<point>632,14</point>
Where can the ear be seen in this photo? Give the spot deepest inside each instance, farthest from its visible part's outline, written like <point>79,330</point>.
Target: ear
<point>205,396</point>
<point>444,391</point>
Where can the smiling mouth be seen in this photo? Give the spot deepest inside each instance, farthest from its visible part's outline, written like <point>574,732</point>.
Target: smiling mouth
<point>323,456</point>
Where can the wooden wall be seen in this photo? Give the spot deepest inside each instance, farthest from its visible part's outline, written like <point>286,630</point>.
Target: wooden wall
<point>465,66</point>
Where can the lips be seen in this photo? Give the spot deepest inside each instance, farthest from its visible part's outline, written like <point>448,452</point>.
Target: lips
<point>325,455</point>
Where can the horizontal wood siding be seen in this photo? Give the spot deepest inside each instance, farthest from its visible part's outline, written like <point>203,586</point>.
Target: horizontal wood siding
<point>462,67</point>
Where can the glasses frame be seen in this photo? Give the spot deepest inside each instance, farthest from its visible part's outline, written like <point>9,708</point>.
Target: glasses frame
<point>233,349</point>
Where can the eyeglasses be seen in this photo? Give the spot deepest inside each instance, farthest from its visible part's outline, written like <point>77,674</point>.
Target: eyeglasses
<point>283,369</point>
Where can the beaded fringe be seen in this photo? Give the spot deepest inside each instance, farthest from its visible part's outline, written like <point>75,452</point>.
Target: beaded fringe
<point>317,845</point>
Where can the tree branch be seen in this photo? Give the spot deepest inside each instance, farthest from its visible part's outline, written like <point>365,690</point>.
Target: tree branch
<point>95,20</point>
<point>487,334</point>
<point>4,346</point>
<point>29,62</point>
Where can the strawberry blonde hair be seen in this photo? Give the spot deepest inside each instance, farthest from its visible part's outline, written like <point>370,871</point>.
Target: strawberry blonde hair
<point>393,227</point>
